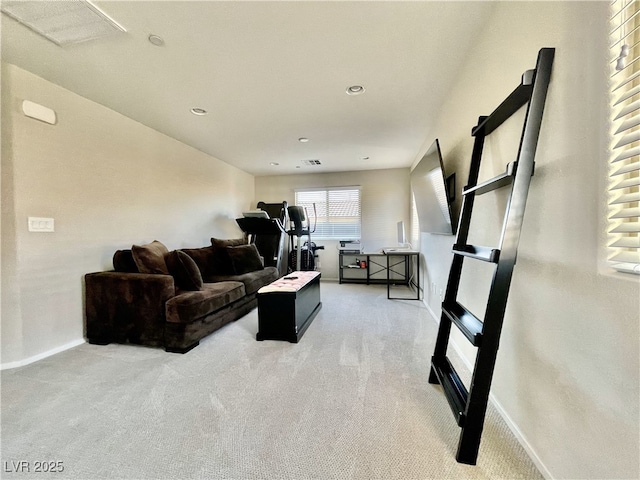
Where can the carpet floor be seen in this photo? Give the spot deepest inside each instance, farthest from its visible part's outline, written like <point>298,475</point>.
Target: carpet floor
<point>350,401</point>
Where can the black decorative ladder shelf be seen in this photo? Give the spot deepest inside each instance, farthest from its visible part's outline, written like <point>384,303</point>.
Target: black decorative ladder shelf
<point>469,406</point>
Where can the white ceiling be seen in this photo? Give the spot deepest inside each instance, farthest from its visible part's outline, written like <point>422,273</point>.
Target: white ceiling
<point>269,73</point>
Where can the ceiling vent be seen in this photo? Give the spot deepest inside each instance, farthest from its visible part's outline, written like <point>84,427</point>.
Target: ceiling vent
<point>312,163</point>
<point>62,22</point>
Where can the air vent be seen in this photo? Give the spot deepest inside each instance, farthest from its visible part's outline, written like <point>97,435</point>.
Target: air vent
<point>312,163</point>
<point>63,23</point>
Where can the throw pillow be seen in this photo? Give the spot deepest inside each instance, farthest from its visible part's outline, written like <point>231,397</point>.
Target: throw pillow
<point>245,259</point>
<point>204,258</point>
<point>123,262</point>
<point>184,271</point>
<point>149,258</point>
<point>221,262</point>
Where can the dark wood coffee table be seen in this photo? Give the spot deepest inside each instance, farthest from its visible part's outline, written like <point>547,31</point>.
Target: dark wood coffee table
<point>287,306</point>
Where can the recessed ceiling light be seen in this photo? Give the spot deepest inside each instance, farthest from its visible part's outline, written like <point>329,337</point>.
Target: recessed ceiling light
<point>303,139</point>
<point>198,111</point>
<point>355,90</point>
<point>364,158</point>
<point>275,164</point>
<point>156,40</point>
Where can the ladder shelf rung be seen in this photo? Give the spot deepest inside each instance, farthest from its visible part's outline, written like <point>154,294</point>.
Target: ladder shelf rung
<point>486,254</point>
<point>517,98</point>
<point>454,390</point>
<point>500,181</point>
<point>466,321</point>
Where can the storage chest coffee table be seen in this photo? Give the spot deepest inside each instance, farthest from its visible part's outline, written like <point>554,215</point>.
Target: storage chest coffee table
<point>287,306</point>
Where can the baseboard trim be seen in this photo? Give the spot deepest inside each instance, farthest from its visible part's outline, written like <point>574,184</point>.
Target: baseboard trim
<point>431,312</point>
<point>40,356</point>
<point>522,440</point>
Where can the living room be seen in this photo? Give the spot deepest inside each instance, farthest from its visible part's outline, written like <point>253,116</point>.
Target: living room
<point>566,380</point>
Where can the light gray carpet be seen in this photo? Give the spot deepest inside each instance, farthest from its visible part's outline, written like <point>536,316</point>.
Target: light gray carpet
<point>350,401</point>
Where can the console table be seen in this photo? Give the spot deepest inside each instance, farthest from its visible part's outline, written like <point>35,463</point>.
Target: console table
<point>404,258</point>
<point>391,268</point>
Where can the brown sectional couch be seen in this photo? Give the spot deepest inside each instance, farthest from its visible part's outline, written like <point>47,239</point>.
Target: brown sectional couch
<point>173,299</point>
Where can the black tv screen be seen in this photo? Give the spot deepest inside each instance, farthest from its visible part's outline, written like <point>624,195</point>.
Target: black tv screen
<point>430,193</point>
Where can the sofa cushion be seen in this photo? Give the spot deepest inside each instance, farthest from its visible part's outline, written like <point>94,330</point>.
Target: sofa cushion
<point>244,259</point>
<point>189,306</point>
<point>204,258</point>
<point>252,281</point>
<point>184,271</point>
<point>123,262</point>
<point>221,262</point>
<point>149,258</point>
<point>228,242</point>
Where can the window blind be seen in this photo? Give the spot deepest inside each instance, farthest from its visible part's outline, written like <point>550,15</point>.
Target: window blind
<point>415,224</point>
<point>338,211</point>
<point>624,163</point>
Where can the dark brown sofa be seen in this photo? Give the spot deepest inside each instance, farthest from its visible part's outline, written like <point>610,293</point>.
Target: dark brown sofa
<point>173,299</point>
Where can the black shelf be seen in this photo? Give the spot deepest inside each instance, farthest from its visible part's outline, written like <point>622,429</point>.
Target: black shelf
<point>500,181</point>
<point>519,97</point>
<point>466,321</point>
<point>454,390</point>
<point>486,254</point>
<point>376,270</point>
<point>470,405</point>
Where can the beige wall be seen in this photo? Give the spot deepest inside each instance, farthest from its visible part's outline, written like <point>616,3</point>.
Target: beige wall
<point>567,374</point>
<point>384,198</point>
<point>108,182</point>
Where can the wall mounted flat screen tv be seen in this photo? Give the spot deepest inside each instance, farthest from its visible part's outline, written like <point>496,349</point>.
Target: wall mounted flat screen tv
<point>428,183</point>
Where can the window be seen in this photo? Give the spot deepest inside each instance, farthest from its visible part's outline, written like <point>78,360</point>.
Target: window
<point>624,166</point>
<point>337,210</point>
<point>415,224</point>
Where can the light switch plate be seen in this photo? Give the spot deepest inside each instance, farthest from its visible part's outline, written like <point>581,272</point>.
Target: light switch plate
<point>41,224</point>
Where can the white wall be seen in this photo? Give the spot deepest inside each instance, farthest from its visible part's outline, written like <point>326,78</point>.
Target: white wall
<point>384,200</point>
<point>568,370</point>
<point>567,373</point>
<point>108,182</point>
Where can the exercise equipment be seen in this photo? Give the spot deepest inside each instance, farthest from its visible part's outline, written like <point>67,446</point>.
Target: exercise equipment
<point>303,255</point>
<point>265,228</point>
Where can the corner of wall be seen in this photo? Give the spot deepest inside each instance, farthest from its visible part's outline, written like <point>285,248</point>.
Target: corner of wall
<point>10,324</point>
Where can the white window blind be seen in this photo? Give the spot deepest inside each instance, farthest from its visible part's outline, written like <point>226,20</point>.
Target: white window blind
<point>624,163</point>
<point>337,209</point>
<point>415,224</point>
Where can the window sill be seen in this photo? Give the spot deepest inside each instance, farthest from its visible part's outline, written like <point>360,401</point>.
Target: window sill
<point>608,271</point>
<point>630,268</point>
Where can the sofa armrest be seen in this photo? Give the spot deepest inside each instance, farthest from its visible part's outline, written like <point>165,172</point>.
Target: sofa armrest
<point>126,307</point>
